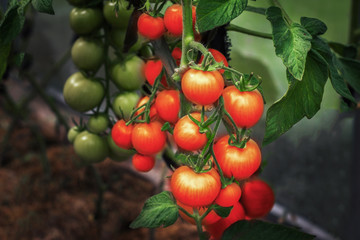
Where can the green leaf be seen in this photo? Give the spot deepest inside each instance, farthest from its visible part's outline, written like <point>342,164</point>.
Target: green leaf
<point>11,25</point>
<point>214,13</point>
<point>256,229</point>
<point>302,99</point>
<point>343,50</point>
<point>351,72</point>
<point>337,80</point>
<point>43,6</point>
<point>291,41</point>
<point>314,26</point>
<point>159,210</point>
<point>222,211</point>
<point>18,59</point>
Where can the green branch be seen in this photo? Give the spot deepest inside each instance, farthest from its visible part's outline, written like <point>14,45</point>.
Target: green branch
<point>239,29</point>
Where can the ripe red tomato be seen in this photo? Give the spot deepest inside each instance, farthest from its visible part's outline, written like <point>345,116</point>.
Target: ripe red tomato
<point>176,54</point>
<point>187,135</point>
<point>142,102</point>
<point>143,163</point>
<point>167,105</point>
<point>150,27</point>
<point>245,108</point>
<point>121,134</point>
<point>239,163</point>
<point>229,195</point>
<point>173,19</point>
<point>216,230</point>
<point>195,189</point>
<point>202,87</point>
<point>211,218</point>
<point>152,70</point>
<point>218,56</point>
<point>258,198</point>
<point>147,138</point>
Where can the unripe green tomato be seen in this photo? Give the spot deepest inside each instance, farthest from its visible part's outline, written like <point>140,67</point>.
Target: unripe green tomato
<point>119,19</point>
<point>127,102</point>
<point>91,147</point>
<point>83,94</point>
<point>88,54</point>
<point>117,153</point>
<point>128,75</point>
<point>72,134</point>
<point>98,123</point>
<point>146,51</point>
<point>85,20</point>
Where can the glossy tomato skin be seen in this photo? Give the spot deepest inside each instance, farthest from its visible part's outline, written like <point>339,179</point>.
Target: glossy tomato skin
<point>229,195</point>
<point>173,19</point>
<point>167,105</point>
<point>121,134</point>
<point>120,19</point>
<point>91,147</point>
<point>152,70</point>
<point>150,27</point>
<point>211,218</point>
<point>258,198</point>
<point>239,163</point>
<point>218,56</point>
<point>83,94</point>
<point>143,163</point>
<point>147,138</point>
<point>195,189</point>
<point>126,101</point>
<point>85,20</point>
<point>216,230</point>
<point>88,54</point>
<point>202,87</point>
<point>245,108</point>
<point>128,75</point>
<point>187,135</point>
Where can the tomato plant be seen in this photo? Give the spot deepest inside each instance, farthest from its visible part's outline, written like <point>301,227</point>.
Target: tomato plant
<point>187,135</point>
<point>117,153</point>
<point>142,102</point>
<point>150,27</point>
<point>72,133</point>
<point>202,87</point>
<point>98,123</point>
<point>147,138</point>
<point>236,162</point>
<point>245,107</point>
<point>210,218</point>
<point>85,20</point>
<point>143,163</point>
<point>167,105</point>
<point>195,189</point>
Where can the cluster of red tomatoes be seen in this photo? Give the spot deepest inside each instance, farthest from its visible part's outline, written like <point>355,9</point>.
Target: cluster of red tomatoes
<point>223,170</point>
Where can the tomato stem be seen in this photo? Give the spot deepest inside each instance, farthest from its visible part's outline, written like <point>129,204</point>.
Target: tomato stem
<point>188,34</point>
<point>232,27</point>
